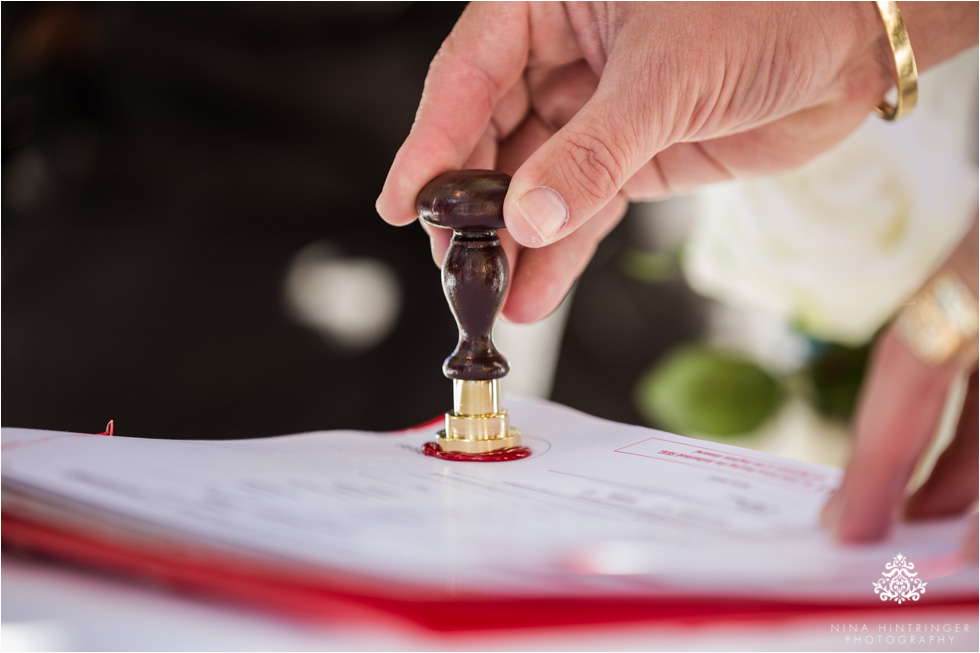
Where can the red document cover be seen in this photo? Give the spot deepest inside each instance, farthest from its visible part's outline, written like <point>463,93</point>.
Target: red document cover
<point>604,523</point>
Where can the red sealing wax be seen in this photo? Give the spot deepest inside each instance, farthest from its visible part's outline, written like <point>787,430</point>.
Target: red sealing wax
<point>503,455</point>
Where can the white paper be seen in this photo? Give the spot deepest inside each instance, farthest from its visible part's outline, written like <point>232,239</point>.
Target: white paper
<point>599,508</point>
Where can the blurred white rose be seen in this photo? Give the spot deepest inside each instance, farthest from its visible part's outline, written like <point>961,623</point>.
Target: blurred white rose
<point>837,245</point>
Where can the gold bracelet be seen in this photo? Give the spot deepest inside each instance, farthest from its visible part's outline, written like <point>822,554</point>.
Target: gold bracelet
<point>906,75</point>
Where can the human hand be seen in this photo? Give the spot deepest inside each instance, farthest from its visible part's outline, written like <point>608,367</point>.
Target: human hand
<point>900,408</point>
<point>590,105</point>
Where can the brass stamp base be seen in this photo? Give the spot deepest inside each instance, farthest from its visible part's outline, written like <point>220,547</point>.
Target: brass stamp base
<point>488,445</point>
<point>477,424</point>
<point>477,427</point>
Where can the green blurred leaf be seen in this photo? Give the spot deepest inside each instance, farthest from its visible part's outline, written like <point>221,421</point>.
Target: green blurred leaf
<point>836,375</point>
<point>651,267</point>
<point>705,390</point>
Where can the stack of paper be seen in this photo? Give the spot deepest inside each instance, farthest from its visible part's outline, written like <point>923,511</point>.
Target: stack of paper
<point>604,521</point>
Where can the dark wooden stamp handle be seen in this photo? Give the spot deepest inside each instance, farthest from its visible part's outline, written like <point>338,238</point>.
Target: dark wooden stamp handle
<point>475,273</point>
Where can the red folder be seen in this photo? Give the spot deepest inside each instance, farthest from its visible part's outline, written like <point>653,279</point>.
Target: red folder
<point>299,592</point>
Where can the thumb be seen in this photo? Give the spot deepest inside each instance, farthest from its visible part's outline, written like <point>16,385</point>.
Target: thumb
<point>578,170</point>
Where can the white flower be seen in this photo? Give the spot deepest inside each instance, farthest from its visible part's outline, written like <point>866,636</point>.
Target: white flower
<point>837,245</point>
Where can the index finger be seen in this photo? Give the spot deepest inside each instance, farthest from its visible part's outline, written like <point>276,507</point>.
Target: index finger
<point>905,396</point>
<point>902,404</point>
<point>479,62</point>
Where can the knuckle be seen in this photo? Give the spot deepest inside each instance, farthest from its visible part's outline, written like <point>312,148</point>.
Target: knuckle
<point>593,167</point>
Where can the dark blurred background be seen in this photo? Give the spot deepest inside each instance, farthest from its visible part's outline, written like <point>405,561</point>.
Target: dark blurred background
<point>188,197</point>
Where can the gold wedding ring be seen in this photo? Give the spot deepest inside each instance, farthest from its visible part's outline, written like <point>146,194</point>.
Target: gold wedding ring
<point>906,74</point>
<point>941,321</point>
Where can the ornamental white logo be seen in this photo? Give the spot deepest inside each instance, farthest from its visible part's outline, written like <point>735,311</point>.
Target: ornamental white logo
<point>899,583</point>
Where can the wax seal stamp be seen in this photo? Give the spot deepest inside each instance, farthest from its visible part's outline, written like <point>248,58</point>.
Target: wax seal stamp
<point>475,275</point>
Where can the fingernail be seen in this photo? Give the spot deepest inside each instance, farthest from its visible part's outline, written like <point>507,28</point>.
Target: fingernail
<point>378,204</point>
<point>436,258</point>
<point>545,211</point>
<point>830,514</point>
<point>971,551</point>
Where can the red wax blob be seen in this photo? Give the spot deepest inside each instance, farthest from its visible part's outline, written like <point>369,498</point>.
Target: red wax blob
<point>514,453</point>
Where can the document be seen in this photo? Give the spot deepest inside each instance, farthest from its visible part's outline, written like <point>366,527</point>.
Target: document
<point>599,509</point>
